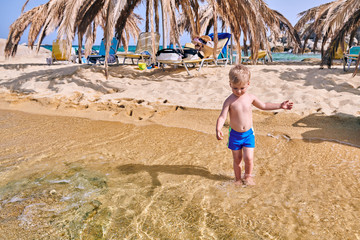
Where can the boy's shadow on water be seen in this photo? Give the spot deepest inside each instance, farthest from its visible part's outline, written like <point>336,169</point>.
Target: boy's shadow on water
<point>154,170</point>
<point>343,129</point>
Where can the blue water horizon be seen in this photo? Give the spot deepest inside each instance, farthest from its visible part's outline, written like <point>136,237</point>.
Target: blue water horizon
<point>276,56</point>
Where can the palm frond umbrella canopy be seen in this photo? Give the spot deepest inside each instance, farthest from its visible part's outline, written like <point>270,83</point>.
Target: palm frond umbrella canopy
<point>253,19</point>
<point>70,17</point>
<point>331,22</point>
<point>82,17</point>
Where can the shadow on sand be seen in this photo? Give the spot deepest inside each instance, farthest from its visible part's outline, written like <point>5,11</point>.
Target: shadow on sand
<point>154,170</point>
<point>56,75</point>
<point>341,128</point>
<point>18,66</point>
<point>70,73</point>
<point>319,78</point>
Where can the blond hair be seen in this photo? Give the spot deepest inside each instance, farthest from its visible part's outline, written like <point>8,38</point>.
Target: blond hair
<point>239,74</point>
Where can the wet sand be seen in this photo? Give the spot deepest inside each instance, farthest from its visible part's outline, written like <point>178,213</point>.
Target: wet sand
<point>164,175</point>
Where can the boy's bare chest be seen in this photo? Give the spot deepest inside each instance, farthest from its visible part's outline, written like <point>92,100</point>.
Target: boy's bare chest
<point>241,105</point>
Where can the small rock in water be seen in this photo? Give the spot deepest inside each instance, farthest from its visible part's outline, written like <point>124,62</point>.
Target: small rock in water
<point>287,137</point>
<point>312,60</point>
<point>270,135</point>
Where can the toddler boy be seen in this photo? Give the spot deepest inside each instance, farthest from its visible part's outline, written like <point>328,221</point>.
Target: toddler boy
<point>242,138</point>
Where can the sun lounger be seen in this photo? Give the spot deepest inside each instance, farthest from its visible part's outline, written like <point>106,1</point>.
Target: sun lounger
<point>217,59</point>
<point>261,57</point>
<point>219,55</point>
<point>100,58</point>
<point>352,56</point>
<point>143,48</point>
<point>224,39</point>
<point>185,63</point>
<point>339,54</point>
<point>60,52</point>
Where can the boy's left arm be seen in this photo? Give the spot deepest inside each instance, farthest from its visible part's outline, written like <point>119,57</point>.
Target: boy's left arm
<point>272,106</point>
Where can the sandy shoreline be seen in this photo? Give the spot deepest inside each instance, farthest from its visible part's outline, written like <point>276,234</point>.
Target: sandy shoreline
<point>315,127</point>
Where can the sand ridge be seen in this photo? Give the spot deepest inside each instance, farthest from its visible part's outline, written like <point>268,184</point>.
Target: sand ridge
<point>317,127</point>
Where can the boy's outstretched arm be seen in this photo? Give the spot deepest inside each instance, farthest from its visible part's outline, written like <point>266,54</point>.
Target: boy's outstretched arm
<point>272,106</point>
<point>221,120</point>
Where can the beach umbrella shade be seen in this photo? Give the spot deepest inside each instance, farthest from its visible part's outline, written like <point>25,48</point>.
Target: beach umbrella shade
<point>70,17</point>
<point>82,17</point>
<point>253,20</point>
<point>331,22</point>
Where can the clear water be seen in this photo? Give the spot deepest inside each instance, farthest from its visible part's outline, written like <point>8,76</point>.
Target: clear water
<point>72,178</point>
<point>290,57</point>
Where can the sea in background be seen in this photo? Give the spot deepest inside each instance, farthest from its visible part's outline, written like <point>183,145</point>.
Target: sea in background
<point>277,57</point>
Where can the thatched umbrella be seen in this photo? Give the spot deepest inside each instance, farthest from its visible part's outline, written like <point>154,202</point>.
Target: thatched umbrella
<point>69,17</point>
<point>331,21</point>
<point>253,19</point>
<point>82,17</point>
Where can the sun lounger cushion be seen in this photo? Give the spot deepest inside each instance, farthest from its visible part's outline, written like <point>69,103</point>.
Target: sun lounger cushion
<point>191,54</point>
<point>95,58</point>
<point>168,54</point>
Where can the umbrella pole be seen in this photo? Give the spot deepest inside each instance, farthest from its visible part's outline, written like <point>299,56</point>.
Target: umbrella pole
<point>231,50</point>
<point>163,25</point>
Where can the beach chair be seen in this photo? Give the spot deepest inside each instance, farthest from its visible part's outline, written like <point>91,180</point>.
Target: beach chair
<point>352,56</point>
<point>217,59</point>
<point>339,54</point>
<point>60,52</point>
<point>75,56</point>
<point>224,52</point>
<point>261,57</point>
<point>100,58</point>
<point>221,51</point>
<point>143,48</point>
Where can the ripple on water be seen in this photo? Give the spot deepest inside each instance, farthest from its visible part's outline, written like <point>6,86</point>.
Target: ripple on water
<point>58,205</point>
<point>171,188</point>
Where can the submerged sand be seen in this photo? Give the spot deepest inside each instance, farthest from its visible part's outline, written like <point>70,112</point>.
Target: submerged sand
<point>135,156</point>
<point>68,177</point>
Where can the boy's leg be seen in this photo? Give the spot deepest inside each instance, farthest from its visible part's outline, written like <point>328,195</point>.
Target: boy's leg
<point>249,165</point>
<point>237,156</point>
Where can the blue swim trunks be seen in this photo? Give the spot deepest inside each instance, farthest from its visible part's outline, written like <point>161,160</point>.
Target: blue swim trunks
<point>238,140</point>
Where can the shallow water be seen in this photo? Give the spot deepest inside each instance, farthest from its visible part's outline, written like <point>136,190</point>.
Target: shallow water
<point>73,178</point>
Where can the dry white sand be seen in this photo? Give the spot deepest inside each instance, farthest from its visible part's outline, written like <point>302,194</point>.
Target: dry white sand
<point>24,55</point>
<point>328,91</point>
